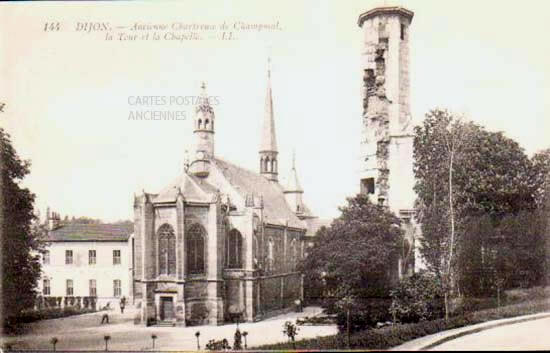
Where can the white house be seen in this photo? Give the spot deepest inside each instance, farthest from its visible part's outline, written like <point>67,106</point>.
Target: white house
<point>87,260</point>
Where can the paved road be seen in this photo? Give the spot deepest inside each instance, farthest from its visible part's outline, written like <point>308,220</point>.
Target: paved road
<point>83,332</point>
<point>530,335</point>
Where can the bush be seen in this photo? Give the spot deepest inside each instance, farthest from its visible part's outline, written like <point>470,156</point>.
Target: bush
<point>13,324</point>
<point>366,313</point>
<point>417,298</point>
<point>392,336</point>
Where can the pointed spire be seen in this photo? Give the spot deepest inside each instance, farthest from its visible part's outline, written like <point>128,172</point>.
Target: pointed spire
<point>269,141</point>
<point>293,184</point>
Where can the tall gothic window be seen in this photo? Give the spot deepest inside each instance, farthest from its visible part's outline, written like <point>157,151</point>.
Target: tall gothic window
<point>195,249</point>
<point>167,250</point>
<point>293,255</point>
<point>270,255</point>
<point>235,249</point>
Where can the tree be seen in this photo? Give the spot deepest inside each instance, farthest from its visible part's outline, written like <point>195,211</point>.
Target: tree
<point>439,151</point>
<point>359,251</point>
<point>20,234</point>
<point>467,177</point>
<point>540,174</point>
<point>356,250</point>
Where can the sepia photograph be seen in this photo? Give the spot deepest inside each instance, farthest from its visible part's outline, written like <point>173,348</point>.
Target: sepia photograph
<point>310,175</point>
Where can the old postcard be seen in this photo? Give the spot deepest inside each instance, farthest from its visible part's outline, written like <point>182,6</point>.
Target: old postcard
<point>274,175</point>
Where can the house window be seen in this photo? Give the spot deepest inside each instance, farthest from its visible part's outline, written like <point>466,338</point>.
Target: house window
<point>116,288</point>
<point>270,257</point>
<point>46,287</point>
<point>70,291</point>
<point>234,249</point>
<point>91,257</point>
<point>68,257</point>
<point>93,288</point>
<point>46,257</point>
<point>195,249</point>
<point>167,250</point>
<point>116,257</point>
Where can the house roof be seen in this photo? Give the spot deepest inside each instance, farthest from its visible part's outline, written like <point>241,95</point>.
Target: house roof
<point>91,232</point>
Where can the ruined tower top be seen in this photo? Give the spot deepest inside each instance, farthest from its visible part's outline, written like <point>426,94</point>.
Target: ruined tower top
<point>385,10</point>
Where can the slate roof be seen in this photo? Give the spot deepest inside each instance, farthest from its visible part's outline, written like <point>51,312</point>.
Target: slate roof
<point>91,232</point>
<point>247,182</point>
<point>193,189</point>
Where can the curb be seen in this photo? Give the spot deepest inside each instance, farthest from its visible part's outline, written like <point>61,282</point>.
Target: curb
<point>479,329</point>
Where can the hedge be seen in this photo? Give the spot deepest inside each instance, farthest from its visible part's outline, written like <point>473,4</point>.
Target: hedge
<point>13,325</point>
<point>392,336</point>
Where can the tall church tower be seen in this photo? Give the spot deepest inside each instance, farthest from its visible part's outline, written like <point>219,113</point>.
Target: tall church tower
<point>204,135</point>
<point>268,144</point>
<point>386,165</point>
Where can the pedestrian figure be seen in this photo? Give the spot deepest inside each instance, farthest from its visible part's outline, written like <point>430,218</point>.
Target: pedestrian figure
<point>105,318</point>
<point>122,304</point>
<point>298,305</point>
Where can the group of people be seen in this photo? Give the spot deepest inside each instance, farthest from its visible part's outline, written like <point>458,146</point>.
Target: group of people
<point>105,316</point>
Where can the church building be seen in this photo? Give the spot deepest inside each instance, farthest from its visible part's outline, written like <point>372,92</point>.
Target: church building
<point>221,242</point>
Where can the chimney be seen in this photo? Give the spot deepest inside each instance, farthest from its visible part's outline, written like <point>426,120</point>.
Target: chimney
<point>52,220</point>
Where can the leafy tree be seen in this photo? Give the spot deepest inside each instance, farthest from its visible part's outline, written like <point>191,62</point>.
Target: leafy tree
<point>20,237</point>
<point>417,298</point>
<point>465,173</point>
<point>440,147</point>
<point>356,250</point>
<point>540,175</point>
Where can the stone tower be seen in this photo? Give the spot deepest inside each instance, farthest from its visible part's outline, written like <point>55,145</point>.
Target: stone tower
<point>204,135</point>
<point>386,166</point>
<point>268,144</point>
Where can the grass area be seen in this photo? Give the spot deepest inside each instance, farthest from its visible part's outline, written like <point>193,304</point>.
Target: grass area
<point>395,335</point>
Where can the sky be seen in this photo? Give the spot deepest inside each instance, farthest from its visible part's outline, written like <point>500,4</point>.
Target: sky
<point>69,94</point>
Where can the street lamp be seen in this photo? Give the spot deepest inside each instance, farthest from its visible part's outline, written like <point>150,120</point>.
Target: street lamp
<point>153,337</point>
<point>106,338</point>
<point>197,334</point>
<point>54,341</point>
<point>245,342</point>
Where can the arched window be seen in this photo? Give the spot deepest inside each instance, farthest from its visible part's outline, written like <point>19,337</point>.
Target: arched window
<point>293,255</point>
<point>195,249</point>
<point>270,255</point>
<point>166,250</point>
<point>267,165</point>
<point>200,123</point>
<point>274,165</point>
<point>234,249</point>
<point>256,254</point>
<point>262,166</point>
<point>206,123</point>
